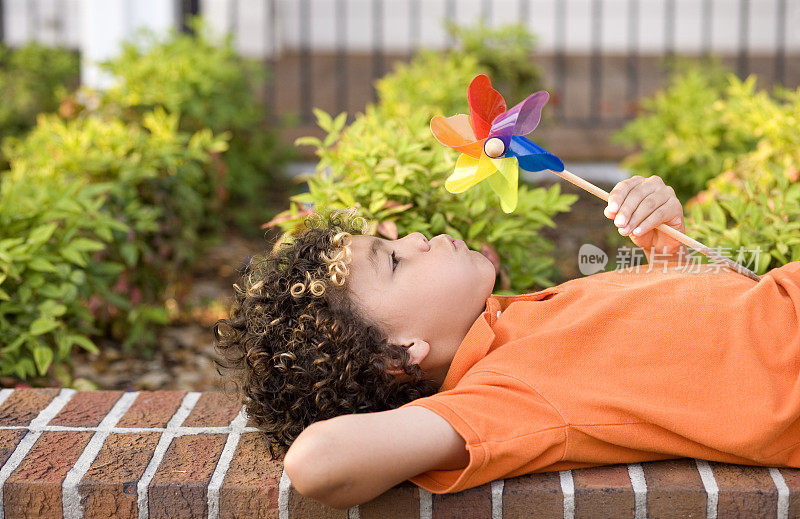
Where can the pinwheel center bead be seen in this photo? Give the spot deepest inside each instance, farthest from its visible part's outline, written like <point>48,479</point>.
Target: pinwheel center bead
<point>494,147</point>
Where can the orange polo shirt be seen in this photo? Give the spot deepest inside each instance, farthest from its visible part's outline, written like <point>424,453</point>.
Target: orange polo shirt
<point>625,366</point>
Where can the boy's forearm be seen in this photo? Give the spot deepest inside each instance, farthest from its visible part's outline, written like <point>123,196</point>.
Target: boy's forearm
<point>341,468</point>
<point>351,459</point>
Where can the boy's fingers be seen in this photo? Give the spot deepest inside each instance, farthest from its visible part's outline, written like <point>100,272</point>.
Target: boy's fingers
<point>661,215</point>
<point>633,199</point>
<point>653,207</point>
<point>617,195</point>
<point>649,203</point>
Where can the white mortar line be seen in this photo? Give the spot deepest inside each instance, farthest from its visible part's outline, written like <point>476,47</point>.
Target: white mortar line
<point>425,504</point>
<point>568,489</point>
<point>353,512</point>
<point>497,498</point>
<point>25,445</point>
<point>284,489</point>
<point>180,415</point>
<point>783,493</point>
<point>710,484</point>
<point>639,484</point>
<point>224,463</point>
<point>180,431</point>
<point>5,393</point>
<point>71,500</point>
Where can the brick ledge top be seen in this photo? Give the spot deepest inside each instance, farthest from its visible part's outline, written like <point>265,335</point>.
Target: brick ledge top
<point>72,454</point>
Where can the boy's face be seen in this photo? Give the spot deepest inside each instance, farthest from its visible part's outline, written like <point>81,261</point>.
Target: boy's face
<point>426,297</point>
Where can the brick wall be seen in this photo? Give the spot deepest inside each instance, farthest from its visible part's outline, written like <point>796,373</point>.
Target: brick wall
<point>66,453</point>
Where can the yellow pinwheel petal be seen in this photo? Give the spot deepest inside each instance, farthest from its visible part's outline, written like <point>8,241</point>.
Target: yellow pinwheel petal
<point>506,183</point>
<point>468,172</point>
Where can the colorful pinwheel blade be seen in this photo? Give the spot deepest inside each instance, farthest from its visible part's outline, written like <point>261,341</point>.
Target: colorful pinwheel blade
<point>485,103</point>
<point>531,156</point>
<point>456,133</point>
<point>468,172</point>
<point>506,183</point>
<point>520,120</point>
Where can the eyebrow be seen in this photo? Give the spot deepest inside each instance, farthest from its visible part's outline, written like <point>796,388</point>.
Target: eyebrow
<point>373,254</point>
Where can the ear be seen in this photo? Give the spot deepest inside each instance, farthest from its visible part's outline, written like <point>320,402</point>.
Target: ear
<point>417,351</point>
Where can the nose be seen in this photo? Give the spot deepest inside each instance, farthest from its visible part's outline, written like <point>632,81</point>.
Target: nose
<point>421,241</point>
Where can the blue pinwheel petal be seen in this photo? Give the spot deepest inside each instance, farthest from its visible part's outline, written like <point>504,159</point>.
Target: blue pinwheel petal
<point>531,156</point>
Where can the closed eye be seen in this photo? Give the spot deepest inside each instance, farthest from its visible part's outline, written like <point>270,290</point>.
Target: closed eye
<point>395,261</point>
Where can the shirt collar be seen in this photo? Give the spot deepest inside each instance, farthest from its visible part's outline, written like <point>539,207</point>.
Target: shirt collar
<point>481,334</point>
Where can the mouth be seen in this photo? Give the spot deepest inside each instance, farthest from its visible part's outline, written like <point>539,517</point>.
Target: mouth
<point>457,244</point>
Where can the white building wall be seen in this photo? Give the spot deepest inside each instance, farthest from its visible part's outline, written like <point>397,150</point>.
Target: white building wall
<point>258,32</point>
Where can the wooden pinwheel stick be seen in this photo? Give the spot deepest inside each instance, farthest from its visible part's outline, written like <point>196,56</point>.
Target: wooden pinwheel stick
<point>689,242</point>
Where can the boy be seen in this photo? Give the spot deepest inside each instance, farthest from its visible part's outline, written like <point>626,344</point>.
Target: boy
<point>391,360</point>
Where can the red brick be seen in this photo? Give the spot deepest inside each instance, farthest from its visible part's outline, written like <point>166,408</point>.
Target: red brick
<point>302,506</point>
<point>24,404</point>
<point>9,439</point>
<point>34,488</point>
<point>674,489</point>
<point>603,492</point>
<point>250,487</point>
<point>215,409</point>
<point>179,487</point>
<point>400,501</point>
<point>86,408</point>
<point>745,491</point>
<point>792,479</point>
<point>108,489</point>
<point>474,502</point>
<point>533,495</point>
<point>152,409</point>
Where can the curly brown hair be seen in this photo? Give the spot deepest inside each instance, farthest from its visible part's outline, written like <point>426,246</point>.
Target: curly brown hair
<point>299,349</point>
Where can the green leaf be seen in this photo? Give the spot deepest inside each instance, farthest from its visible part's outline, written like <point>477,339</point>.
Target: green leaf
<point>43,357</point>
<point>42,265</point>
<point>42,234</point>
<point>83,342</point>
<point>130,253</point>
<point>476,228</point>
<point>85,244</point>
<point>73,256</point>
<point>15,344</point>
<point>43,325</point>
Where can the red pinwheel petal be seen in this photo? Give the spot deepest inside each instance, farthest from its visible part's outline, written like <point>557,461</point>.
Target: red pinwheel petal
<point>485,103</point>
<point>456,133</point>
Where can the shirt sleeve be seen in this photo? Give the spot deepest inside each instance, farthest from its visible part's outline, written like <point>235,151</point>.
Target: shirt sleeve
<point>508,427</point>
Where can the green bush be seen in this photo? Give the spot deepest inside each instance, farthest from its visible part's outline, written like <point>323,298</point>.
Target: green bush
<point>732,154</point>
<point>211,87</point>
<point>756,226</point>
<point>432,83</point>
<point>756,203</point>
<point>388,165</point>
<point>504,53</point>
<point>49,231</point>
<point>686,134</point>
<point>160,184</point>
<point>33,78</point>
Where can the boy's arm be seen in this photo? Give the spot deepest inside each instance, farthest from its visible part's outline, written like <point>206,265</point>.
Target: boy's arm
<point>350,459</point>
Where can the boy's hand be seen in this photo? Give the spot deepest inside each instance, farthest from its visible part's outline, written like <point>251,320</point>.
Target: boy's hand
<point>638,205</point>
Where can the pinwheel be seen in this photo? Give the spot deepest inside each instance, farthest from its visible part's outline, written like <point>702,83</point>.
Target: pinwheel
<point>491,140</point>
<point>493,147</point>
